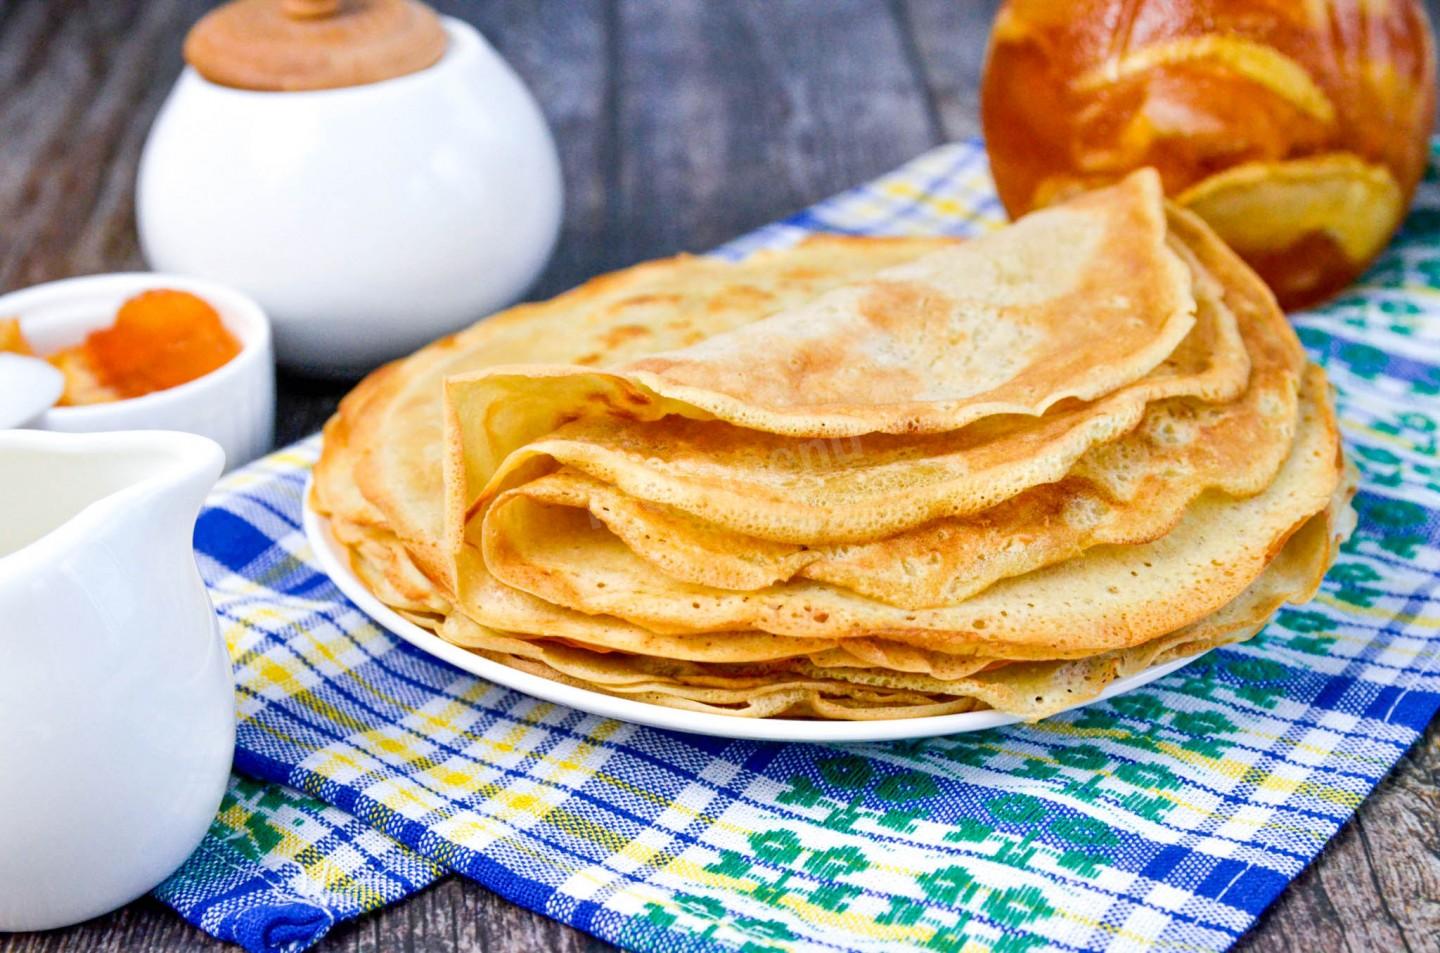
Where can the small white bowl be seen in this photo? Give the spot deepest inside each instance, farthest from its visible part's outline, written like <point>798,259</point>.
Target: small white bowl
<point>234,405</point>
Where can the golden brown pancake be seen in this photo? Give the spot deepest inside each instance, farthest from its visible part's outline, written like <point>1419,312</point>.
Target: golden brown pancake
<point>381,463</point>
<point>858,479</point>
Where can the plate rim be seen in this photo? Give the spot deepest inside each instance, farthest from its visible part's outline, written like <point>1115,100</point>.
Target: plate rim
<point>329,557</point>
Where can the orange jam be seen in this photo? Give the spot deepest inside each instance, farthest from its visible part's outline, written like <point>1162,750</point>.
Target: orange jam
<point>11,340</point>
<point>160,339</point>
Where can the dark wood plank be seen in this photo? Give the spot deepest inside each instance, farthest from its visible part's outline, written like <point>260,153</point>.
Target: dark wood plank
<point>145,926</point>
<point>732,114</point>
<point>82,82</point>
<point>1377,885</point>
<point>457,914</point>
<point>947,41</point>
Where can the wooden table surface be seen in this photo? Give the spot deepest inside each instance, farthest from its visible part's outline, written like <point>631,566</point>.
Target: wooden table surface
<point>681,123</point>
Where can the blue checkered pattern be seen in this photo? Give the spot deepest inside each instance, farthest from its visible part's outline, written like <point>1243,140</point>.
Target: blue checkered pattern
<point>1167,818</point>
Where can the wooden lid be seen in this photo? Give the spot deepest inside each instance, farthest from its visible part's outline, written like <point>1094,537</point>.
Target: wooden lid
<point>291,45</point>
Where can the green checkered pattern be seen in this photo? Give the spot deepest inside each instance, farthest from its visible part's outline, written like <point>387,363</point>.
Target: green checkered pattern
<point>1167,818</point>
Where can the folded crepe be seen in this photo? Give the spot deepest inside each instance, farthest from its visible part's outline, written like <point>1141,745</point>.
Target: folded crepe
<point>905,682</point>
<point>379,476</point>
<point>867,479</point>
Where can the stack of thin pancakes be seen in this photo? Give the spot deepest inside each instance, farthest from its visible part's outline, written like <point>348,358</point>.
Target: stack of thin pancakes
<point>859,478</point>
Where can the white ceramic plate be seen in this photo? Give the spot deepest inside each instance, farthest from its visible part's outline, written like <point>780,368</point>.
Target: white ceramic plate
<point>334,561</point>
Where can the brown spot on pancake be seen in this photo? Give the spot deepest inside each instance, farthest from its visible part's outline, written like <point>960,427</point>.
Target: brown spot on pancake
<point>610,404</point>
<point>744,296</point>
<point>897,305</point>
<point>619,334</point>
<point>650,299</point>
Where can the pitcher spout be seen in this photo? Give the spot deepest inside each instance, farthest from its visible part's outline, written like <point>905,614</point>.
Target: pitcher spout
<point>58,488</point>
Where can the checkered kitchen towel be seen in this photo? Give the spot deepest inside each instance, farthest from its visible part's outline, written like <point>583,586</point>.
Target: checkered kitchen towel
<point>1167,818</point>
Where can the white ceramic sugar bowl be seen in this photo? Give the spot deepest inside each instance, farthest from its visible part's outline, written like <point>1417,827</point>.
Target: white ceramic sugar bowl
<point>374,175</point>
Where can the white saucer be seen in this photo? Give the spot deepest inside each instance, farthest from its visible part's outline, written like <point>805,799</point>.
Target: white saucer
<point>332,558</point>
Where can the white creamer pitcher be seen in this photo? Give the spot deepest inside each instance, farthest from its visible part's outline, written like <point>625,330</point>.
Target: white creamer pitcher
<point>117,710</point>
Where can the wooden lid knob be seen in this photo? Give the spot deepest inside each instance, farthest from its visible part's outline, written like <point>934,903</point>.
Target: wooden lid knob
<point>292,45</point>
